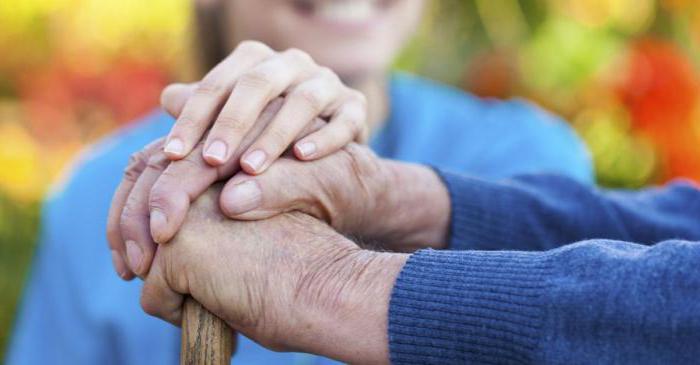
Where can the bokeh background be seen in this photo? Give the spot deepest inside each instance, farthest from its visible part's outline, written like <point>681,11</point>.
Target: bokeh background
<point>625,73</point>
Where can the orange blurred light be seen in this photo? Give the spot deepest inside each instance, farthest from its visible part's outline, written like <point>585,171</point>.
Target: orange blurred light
<point>660,89</point>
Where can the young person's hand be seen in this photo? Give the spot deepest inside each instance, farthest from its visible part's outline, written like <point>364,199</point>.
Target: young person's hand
<point>230,98</point>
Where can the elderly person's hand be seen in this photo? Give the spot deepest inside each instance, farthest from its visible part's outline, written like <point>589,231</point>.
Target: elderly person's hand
<point>289,282</point>
<point>400,206</point>
<point>137,217</point>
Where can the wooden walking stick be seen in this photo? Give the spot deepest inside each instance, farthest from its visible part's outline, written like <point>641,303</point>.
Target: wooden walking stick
<point>206,339</point>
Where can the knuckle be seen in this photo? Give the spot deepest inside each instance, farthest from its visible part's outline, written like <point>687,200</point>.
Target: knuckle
<point>326,73</point>
<point>184,165</point>
<point>157,162</point>
<point>254,47</point>
<point>158,143</point>
<point>311,97</point>
<point>351,111</point>
<point>126,221</point>
<point>358,97</point>
<point>354,126</point>
<point>158,198</point>
<point>316,125</point>
<point>227,125</point>
<point>361,159</point>
<point>137,160</point>
<point>256,78</point>
<point>299,55</point>
<point>279,138</point>
<point>210,87</point>
<point>149,304</point>
<point>185,122</point>
<point>344,136</point>
<point>363,133</point>
<point>135,167</point>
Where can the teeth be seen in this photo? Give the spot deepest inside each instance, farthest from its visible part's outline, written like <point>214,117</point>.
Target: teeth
<point>346,11</point>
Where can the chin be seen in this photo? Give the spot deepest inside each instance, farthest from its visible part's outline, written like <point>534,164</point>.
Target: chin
<point>347,16</point>
<point>352,37</point>
<point>355,38</point>
<point>353,65</point>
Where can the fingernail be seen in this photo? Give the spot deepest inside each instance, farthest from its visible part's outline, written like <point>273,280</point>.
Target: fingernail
<point>306,149</point>
<point>244,197</point>
<point>216,151</point>
<point>255,160</point>
<point>158,223</point>
<point>174,147</point>
<point>133,255</point>
<point>119,264</point>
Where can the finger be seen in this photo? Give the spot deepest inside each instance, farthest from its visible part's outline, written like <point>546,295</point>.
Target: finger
<point>185,180</point>
<point>179,184</point>
<point>243,198</point>
<point>158,299</point>
<point>175,96</point>
<point>208,97</point>
<point>248,197</point>
<point>131,174</point>
<point>252,92</point>
<point>347,124</point>
<point>302,105</point>
<point>134,220</point>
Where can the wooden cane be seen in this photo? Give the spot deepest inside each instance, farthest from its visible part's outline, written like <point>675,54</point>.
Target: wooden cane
<point>206,339</point>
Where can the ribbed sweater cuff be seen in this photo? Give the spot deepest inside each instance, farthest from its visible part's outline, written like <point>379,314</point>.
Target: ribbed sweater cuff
<point>480,213</point>
<point>467,307</point>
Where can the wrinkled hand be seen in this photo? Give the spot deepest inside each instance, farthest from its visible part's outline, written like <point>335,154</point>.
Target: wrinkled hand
<point>400,206</point>
<point>152,200</point>
<point>289,282</point>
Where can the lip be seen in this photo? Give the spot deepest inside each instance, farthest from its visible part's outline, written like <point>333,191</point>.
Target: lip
<point>305,9</point>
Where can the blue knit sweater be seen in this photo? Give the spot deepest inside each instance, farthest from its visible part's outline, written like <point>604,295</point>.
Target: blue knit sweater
<point>628,292</point>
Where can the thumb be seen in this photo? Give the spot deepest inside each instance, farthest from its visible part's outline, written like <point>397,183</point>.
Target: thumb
<point>247,197</point>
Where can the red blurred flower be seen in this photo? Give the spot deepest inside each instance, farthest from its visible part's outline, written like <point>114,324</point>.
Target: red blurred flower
<point>660,89</point>
<point>67,102</point>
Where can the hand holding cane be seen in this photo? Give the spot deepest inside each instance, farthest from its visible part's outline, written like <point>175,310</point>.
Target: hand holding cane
<point>206,338</point>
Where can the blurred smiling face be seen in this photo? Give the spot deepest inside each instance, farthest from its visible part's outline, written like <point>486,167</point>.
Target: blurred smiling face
<point>355,38</point>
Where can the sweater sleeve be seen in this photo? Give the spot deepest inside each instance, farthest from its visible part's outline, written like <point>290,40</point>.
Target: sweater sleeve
<point>596,301</point>
<point>540,212</point>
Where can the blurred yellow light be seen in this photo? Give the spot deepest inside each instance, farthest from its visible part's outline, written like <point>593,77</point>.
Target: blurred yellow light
<point>34,31</point>
<point>123,25</point>
<point>631,16</point>
<point>20,172</point>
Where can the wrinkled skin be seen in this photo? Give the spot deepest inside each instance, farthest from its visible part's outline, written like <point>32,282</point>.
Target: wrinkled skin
<point>358,194</point>
<point>285,282</point>
<point>355,192</point>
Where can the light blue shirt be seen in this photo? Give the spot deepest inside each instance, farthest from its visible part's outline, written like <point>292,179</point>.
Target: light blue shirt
<point>77,311</point>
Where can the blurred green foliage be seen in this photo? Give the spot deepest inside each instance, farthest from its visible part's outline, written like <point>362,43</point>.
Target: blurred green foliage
<point>18,230</point>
